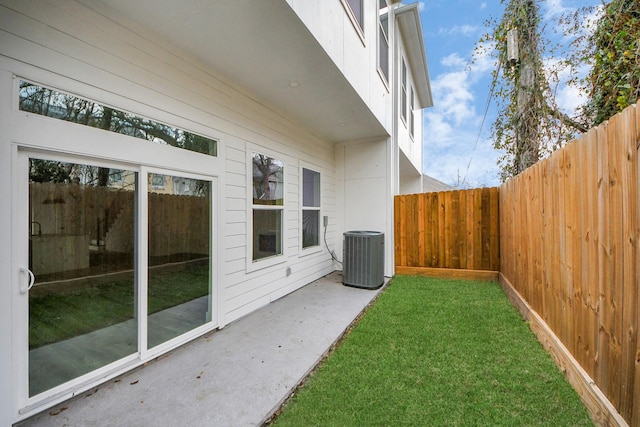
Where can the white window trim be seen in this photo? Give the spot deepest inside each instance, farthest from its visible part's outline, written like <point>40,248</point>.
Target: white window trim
<point>387,10</point>
<point>404,73</point>
<point>354,21</point>
<point>127,148</point>
<point>410,113</point>
<point>30,135</point>
<point>28,406</point>
<point>276,259</point>
<point>312,249</point>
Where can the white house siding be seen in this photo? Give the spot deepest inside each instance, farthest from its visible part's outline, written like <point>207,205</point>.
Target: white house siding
<point>366,176</point>
<point>72,48</point>
<point>410,146</point>
<point>365,191</point>
<point>356,57</point>
<point>410,156</point>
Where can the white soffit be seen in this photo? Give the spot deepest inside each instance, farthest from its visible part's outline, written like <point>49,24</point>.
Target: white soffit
<point>264,47</point>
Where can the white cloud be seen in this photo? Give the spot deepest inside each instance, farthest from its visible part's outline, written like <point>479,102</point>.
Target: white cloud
<point>421,6</point>
<point>483,5</point>
<point>451,126</point>
<point>453,60</point>
<point>460,30</point>
<point>554,8</point>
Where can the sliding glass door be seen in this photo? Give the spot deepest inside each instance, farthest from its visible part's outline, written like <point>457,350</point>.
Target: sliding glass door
<point>82,307</point>
<point>119,266</point>
<point>179,256</point>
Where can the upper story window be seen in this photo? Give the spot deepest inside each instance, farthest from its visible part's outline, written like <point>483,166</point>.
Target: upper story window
<point>310,208</point>
<point>403,90</point>
<point>267,206</point>
<point>411,113</point>
<point>356,7</point>
<point>48,102</point>
<point>383,38</point>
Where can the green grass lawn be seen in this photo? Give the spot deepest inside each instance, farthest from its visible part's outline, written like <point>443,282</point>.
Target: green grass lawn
<point>433,352</point>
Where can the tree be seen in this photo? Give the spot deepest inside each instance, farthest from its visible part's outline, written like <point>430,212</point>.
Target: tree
<point>614,50</point>
<point>529,124</point>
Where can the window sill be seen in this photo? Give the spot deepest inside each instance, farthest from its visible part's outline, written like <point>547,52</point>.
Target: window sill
<point>309,251</point>
<point>265,263</point>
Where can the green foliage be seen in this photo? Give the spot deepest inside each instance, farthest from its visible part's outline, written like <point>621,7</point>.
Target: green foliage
<point>438,353</point>
<point>614,80</point>
<point>529,124</point>
<point>48,171</point>
<point>609,48</point>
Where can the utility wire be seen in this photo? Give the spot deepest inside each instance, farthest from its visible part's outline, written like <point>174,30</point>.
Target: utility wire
<point>331,252</point>
<point>484,117</point>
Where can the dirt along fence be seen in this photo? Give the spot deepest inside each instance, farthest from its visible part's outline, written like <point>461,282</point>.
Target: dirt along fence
<point>569,259</point>
<point>451,233</point>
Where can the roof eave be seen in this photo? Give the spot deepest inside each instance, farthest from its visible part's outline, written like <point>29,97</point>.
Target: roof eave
<point>408,18</point>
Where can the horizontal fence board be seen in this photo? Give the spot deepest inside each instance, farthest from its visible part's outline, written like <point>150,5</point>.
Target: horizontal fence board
<point>449,273</point>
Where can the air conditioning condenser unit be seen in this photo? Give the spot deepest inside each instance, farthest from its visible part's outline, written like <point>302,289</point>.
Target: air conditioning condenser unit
<point>363,259</point>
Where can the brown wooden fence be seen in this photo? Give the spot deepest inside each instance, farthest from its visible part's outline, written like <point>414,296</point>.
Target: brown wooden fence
<point>568,256</point>
<point>453,230</point>
<point>569,245</point>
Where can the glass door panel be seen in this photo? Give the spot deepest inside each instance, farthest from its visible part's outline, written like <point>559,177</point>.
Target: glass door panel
<point>81,250</point>
<point>179,275</point>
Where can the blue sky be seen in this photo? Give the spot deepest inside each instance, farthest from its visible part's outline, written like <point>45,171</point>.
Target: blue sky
<point>460,89</point>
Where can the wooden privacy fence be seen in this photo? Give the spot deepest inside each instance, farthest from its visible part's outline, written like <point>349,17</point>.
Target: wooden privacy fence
<point>569,233</point>
<point>567,254</point>
<point>450,233</point>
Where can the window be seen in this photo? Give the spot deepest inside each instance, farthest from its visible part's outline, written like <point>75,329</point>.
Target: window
<point>157,181</point>
<point>411,116</point>
<point>310,208</point>
<point>267,206</point>
<point>403,91</point>
<point>383,39</point>
<point>355,6</point>
<point>48,102</point>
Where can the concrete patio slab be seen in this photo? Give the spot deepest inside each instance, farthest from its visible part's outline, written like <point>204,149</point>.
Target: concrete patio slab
<point>237,376</point>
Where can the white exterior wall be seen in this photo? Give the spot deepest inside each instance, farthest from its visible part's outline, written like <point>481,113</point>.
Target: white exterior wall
<point>366,172</point>
<point>121,69</point>
<point>410,147</point>
<point>354,55</point>
<point>69,47</point>
<point>364,186</point>
<point>85,51</point>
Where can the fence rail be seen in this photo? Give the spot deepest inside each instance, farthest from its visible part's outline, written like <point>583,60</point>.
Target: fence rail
<point>448,230</point>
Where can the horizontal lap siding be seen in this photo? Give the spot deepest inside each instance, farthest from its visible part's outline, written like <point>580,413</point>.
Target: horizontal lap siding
<point>569,232</point>
<point>83,51</point>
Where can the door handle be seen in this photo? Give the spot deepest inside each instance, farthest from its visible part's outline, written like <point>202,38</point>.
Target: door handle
<point>32,280</point>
